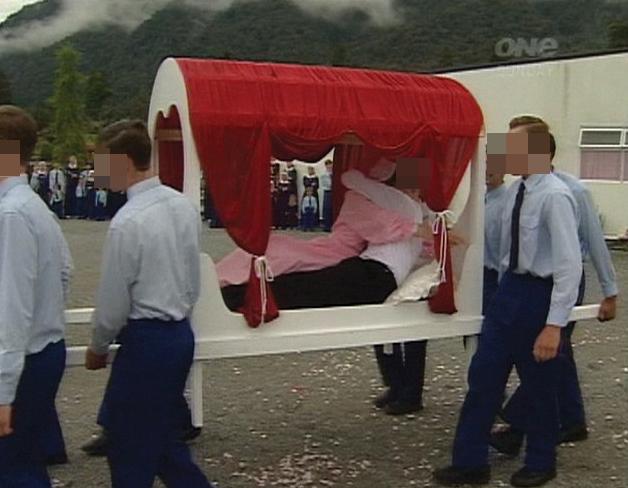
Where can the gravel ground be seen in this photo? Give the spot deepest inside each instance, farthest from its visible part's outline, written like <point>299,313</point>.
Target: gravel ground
<point>306,420</point>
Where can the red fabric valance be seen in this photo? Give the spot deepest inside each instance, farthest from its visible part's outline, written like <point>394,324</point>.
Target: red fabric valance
<point>243,113</point>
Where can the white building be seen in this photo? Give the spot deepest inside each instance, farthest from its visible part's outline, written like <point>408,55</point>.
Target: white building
<point>585,101</point>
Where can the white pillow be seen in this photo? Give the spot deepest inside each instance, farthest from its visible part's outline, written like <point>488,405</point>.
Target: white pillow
<point>417,286</point>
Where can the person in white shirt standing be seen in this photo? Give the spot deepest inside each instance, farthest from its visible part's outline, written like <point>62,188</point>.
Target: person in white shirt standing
<point>573,425</point>
<point>35,268</point>
<point>493,207</point>
<point>327,181</point>
<point>149,284</point>
<point>56,180</point>
<point>540,265</point>
<point>309,210</point>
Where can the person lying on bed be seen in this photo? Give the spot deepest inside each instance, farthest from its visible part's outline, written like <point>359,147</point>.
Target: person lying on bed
<point>360,222</point>
<point>366,278</point>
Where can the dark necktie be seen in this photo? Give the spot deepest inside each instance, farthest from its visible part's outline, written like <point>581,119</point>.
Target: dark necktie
<point>514,228</point>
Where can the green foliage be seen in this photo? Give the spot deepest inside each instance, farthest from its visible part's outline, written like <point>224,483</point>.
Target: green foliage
<point>5,90</point>
<point>431,34</point>
<point>68,104</point>
<point>97,93</point>
<point>618,34</point>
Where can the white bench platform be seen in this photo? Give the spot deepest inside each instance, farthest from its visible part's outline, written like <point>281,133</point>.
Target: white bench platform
<point>223,334</point>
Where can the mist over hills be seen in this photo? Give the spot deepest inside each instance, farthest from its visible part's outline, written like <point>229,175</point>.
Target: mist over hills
<point>127,39</point>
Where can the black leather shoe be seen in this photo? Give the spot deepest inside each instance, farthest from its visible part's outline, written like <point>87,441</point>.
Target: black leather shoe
<point>190,433</point>
<point>57,459</point>
<point>527,478</point>
<point>98,446</point>
<point>384,399</point>
<point>401,407</point>
<point>507,442</point>
<point>453,476</point>
<point>577,433</point>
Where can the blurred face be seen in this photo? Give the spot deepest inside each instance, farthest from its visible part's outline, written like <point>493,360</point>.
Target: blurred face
<point>111,170</point>
<point>493,180</point>
<point>518,152</point>
<point>310,171</point>
<point>10,159</point>
<point>413,193</point>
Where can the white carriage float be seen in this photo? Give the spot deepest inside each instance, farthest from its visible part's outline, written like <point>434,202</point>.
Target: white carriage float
<point>227,119</point>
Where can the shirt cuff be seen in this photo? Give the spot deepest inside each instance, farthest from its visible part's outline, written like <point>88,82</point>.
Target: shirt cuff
<point>559,318</point>
<point>11,365</point>
<point>100,342</point>
<point>7,393</point>
<point>610,290</point>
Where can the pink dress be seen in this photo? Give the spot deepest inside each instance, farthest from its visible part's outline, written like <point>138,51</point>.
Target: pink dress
<point>359,223</point>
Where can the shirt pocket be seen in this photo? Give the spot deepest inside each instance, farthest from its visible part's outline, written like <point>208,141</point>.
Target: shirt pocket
<point>529,233</point>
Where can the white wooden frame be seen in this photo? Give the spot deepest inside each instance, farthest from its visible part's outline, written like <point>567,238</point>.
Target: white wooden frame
<point>223,334</point>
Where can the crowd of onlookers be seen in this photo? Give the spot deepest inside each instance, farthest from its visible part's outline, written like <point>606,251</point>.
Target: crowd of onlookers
<point>313,210</point>
<point>308,212</point>
<point>72,192</point>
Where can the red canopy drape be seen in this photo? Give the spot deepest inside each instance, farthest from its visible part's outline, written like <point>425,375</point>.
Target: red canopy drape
<point>243,113</point>
<point>171,152</point>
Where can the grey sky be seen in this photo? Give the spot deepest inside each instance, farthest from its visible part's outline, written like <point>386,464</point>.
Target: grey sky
<point>7,7</point>
<point>76,15</point>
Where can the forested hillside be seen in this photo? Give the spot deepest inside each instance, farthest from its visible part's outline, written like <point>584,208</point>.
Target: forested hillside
<point>431,34</point>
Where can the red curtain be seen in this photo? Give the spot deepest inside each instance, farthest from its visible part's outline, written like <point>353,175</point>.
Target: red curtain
<point>170,152</point>
<point>244,113</point>
<point>350,157</point>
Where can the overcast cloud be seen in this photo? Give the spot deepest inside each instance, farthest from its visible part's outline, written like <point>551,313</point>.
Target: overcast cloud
<point>77,15</point>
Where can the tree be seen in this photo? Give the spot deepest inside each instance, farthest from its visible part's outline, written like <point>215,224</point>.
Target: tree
<point>5,90</point>
<point>68,105</point>
<point>618,34</point>
<point>338,55</point>
<point>97,92</point>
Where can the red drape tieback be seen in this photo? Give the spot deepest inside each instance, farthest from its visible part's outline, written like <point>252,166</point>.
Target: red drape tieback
<point>439,228</point>
<point>441,302</point>
<point>259,305</point>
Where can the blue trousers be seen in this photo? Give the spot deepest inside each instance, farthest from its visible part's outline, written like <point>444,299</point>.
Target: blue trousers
<point>100,212</point>
<point>147,381</point>
<point>58,209</point>
<point>403,370</point>
<point>512,323</point>
<point>570,403</point>
<point>23,453</point>
<point>308,219</point>
<point>490,287</point>
<point>327,210</point>
<point>53,441</point>
<point>80,207</point>
<point>89,203</point>
<point>183,413</point>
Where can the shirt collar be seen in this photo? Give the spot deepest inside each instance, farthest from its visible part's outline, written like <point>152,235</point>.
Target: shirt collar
<point>142,187</point>
<point>533,180</point>
<point>11,183</point>
<point>496,192</point>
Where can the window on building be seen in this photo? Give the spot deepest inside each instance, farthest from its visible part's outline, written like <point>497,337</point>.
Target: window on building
<point>604,154</point>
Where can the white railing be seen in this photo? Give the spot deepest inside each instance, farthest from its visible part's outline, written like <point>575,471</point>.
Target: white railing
<point>76,354</point>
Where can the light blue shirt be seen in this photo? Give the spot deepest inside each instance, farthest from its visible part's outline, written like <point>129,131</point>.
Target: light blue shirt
<point>592,243</point>
<point>310,202</point>
<point>493,209</point>
<point>151,262</point>
<point>548,240</point>
<point>35,269</point>
<point>326,181</point>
